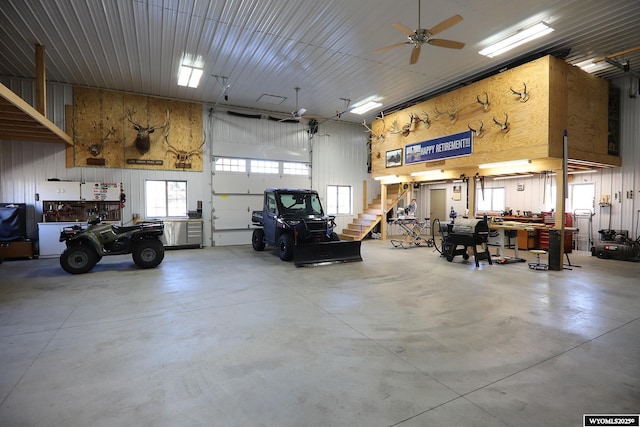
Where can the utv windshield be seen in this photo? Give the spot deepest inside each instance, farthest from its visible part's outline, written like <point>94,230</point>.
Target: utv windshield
<point>301,203</point>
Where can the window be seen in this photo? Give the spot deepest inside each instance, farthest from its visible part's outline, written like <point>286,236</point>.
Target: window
<point>339,199</point>
<point>271,203</point>
<point>230,165</point>
<point>582,197</point>
<point>306,204</point>
<point>493,200</point>
<point>295,169</point>
<point>550,197</point>
<point>265,166</point>
<point>165,198</point>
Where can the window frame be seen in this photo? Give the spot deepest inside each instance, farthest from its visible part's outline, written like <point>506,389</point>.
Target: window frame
<point>167,198</point>
<point>339,207</point>
<point>490,190</point>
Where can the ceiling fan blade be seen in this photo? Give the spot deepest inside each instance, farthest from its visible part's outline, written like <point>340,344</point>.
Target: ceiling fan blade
<point>384,49</point>
<point>446,43</point>
<point>300,112</point>
<point>415,54</point>
<point>290,120</point>
<point>445,24</point>
<point>408,31</point>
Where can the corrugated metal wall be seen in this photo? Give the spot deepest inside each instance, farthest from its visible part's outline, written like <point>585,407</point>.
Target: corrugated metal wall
<point>337,151</point>
<point>338,159</point>
<point>24,164</point>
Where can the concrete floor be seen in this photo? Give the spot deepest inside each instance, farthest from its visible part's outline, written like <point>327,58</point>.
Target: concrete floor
<point>232,337</point>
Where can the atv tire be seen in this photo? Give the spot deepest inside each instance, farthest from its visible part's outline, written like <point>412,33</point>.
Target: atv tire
<point>148,253</point>
<point>285,247</point>
<point>257,239</point>
<point>78,259</point>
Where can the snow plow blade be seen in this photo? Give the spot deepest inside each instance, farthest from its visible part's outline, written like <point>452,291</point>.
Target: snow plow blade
<point>327,252</point>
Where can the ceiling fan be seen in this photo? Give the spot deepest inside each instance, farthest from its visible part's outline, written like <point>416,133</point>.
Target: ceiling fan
<point>421,36</point>
<point>298,113</point>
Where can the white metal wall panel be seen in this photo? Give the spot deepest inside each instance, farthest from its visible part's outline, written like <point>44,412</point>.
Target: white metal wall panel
<point>340,158</point>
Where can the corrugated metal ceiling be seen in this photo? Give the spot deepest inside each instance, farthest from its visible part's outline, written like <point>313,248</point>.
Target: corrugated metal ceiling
<point>322,46</point>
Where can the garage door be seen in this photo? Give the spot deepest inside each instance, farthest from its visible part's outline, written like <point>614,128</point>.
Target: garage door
<point>236,195</point>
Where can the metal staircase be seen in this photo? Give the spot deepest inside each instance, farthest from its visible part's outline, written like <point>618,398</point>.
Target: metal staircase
<point>372,215</point>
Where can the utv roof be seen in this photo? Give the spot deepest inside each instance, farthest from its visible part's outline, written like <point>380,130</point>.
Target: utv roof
<point>292,190</point>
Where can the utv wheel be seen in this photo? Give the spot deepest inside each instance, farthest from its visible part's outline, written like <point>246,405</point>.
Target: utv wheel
<point>78,259</point>
<point>285,247</point>
<point>148,253</point>
<point>257,239</point>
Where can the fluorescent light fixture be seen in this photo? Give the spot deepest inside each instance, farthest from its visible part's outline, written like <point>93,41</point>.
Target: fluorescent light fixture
<point>189,76</point>
<point>368,106</point>
<point>382,178</point>
<point>521,37</point>
<point>591,67</point>
<point>504,164</point>
<point>581,172</point>
<point>191,70</point>
<point>435,182</point>
<point>500,178</point>
<point>423,174</point>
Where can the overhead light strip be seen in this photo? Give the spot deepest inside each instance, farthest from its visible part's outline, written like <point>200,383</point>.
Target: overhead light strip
<point>423,174</point>
<point>504,164</point>
<point>519,38</point>
<point>500,178</point>
<point>366,107</point>
<point>581,172</point>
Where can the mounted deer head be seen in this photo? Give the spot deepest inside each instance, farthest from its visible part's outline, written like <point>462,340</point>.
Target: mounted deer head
<point>426,121</point>
<point>143,139</point>
<point>524,95</point>
<point>183,157</point>
<point>410,127</point>
<point>97,148</point>
<point>477,132</point>
<point>453,115</point>
<point>485,103</point>
<point>504,127</point>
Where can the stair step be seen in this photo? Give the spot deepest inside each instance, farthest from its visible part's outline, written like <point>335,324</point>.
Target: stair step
<point>351,232</point>
<point>347,237</point>
<point>363,221</point>
<point>373,211</point>
<point>357,227</point>
<point>371,217</point>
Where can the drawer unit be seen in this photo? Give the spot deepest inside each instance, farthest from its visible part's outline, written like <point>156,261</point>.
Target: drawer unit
<point>17,249</point>
<point>183,233</point>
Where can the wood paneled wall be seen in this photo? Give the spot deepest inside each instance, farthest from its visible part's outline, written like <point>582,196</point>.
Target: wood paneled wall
<point>559,96</point>
<point>104,136</point>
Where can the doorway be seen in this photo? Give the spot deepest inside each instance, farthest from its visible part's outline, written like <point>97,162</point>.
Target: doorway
<point>438,205</point>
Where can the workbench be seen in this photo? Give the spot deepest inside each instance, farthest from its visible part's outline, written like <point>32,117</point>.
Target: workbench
<point>504,228</point>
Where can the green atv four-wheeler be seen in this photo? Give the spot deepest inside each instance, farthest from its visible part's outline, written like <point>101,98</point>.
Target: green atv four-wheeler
<point>87,245</point>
